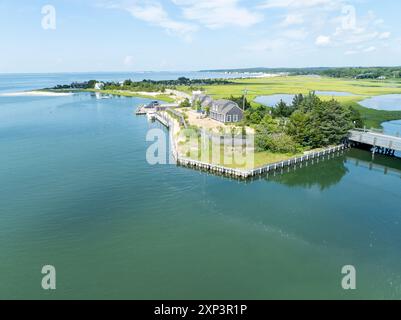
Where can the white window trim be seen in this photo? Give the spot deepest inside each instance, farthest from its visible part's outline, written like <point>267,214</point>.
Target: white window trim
<point>228,118</point>
<point>235,118</point>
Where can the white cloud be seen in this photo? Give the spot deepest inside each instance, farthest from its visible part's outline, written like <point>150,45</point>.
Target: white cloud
<point>292,19</point>
<point>334,22</point>
<point>350,52</point>
<point>128,61</point>
<point>218,13</point>
<point>323,41</point>
<point>154,13</point>
<point>370,49</point>
<point>266,45</point>
<point>364,30</point>
<point>296,34</point>
<point>300,3</point>
<point>385,35</point>
<point>378,22</point>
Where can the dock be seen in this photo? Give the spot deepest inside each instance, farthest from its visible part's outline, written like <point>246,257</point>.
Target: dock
<point>380,142</point>
<point>144,109</point>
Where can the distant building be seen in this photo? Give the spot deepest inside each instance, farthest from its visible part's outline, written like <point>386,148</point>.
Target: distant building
<point>196,95</point>
<point>205,100</point>
<point>99,86</point>
<point>382,78</point>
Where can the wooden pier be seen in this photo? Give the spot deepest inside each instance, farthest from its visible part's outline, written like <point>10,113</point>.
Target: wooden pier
<point>144,110</point>
<point>381,143</point>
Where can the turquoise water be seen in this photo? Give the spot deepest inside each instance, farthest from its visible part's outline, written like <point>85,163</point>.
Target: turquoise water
<point>76,192</point>
<point>390,102</point>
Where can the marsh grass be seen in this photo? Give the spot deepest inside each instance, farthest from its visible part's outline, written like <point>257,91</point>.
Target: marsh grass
<point>361,89</point>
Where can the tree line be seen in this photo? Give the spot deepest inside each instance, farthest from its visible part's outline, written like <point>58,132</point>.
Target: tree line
<point>145,85</point>
<point>345,72</point>
<point>307,123</point>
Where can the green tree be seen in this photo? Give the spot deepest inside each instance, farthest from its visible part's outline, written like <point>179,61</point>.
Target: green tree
<point>356,118</point>
<point>283,110</point>
<point>240,101</point>
<point>297,101</point>
<point>185,104</point>
<point>91,84</point>
<point>270,124</point>
<point>309,102</point>
<point>255,115</point>
<point>275,142</point>
<point>298,127</point>
<point>321,123</point>
<point>330,123</point>
<point>128,83</point>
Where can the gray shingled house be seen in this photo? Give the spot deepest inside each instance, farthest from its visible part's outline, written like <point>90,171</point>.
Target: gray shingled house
<point>226,111</point>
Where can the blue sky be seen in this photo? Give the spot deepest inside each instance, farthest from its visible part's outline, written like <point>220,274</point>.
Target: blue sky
<point>143,35</point>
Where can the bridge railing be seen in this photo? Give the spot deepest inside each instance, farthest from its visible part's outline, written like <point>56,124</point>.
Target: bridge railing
<point>376,140</point>
<point>378,131</point>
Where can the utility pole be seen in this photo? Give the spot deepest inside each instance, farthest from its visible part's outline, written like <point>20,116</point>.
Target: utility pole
<point>245,93</point>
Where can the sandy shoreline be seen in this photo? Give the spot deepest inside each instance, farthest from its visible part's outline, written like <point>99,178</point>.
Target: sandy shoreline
<point>36,94</point>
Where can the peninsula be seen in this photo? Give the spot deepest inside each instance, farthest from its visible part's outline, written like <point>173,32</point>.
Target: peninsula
<point>318,117</point>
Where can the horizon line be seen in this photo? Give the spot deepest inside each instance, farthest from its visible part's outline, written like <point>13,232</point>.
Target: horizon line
<point>202,70</point>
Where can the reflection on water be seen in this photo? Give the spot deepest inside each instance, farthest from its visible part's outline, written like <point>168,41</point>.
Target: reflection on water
<point>381,163</point>
<point>330,170</point>
<point>323,173</point>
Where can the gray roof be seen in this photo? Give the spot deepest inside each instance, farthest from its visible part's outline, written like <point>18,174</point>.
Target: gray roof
<point>204,100</point>
<point>224,106</point>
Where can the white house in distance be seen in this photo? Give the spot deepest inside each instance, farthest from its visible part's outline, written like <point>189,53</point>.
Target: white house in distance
<point>99,86</point>
<point>221,110</point>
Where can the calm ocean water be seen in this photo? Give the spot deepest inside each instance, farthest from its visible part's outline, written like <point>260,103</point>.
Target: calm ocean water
<point>76,192</point>
<point>23,82</point>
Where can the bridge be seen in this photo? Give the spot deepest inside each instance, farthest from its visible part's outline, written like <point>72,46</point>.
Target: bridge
<point>381,143</point>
